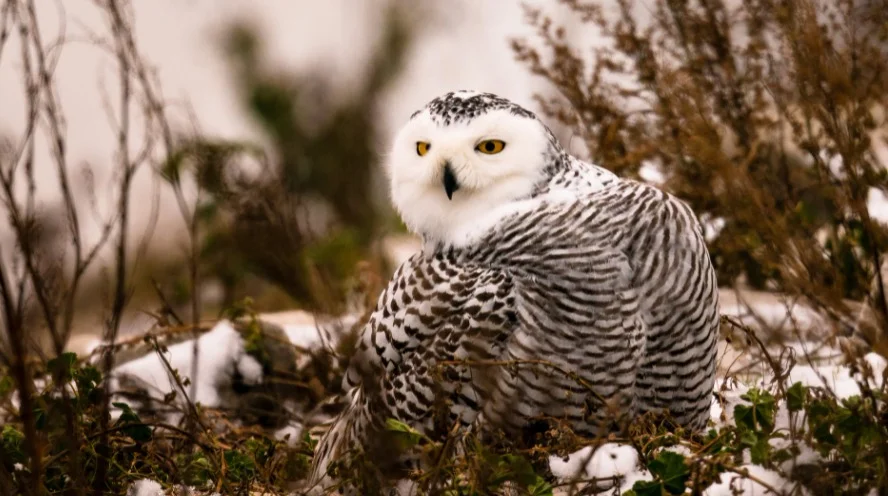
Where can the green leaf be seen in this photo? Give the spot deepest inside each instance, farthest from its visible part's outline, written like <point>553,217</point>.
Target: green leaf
<point>87,378</point>
<point>716,442</point>
<point>406,436</point>
<point>520,471</point>
<point>62,366</point>
<point>670,469</point>
<point>540,487</point>
<point>748,438</point>
<point>820,423</point>
<point>646,488</point>
<point>760,452</point>
<point>12,444</point>
<point>795,397</point>
<point>241,467</point>
<point>133,426</point>
<point>759,415</point>
<point>195,468</point>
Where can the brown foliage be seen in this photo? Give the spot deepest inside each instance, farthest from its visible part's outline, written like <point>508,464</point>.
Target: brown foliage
<point>768,116</point>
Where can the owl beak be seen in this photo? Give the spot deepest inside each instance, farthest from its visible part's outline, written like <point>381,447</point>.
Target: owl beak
<point>450,182</point>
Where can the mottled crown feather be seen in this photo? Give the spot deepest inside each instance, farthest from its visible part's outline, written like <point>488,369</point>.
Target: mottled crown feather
<point>457,106</point>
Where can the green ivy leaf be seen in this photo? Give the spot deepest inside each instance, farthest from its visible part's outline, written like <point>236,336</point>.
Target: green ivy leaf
<point>820,423</point>
<point>670,469</point>
<point>646,488</point>
<point>760,452</point>
<point>795,397</point>
<point>62,366</point>
<point>759,414</point>
<point>195,468</point>
<point>519,470</point>
<point>134,427</point>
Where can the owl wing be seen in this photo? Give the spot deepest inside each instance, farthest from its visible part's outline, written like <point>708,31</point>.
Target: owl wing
<point>434,311</point>
<point>580,335</point>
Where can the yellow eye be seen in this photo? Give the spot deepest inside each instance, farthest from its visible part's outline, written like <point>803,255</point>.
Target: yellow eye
<point>491,147</point>
<point>422,148</point>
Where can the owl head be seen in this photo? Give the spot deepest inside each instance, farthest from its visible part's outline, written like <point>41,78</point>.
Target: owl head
<point>462,156</point>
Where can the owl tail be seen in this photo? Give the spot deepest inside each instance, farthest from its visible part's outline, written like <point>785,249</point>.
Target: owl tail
<point>335,443</point>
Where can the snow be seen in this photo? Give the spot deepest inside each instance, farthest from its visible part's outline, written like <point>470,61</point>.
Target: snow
<point>304,336</point>
<point>620,460</point>
<point>220,352</point>
<point>766,309</point>
<point>250,370</point>
<point>607,461</point>
<point>222,357</point>
<point>837,378</point>
<point>293,430</point>
<point>148,487</point>
<point>877,204</point>
<point>732,483</point>
<point>145,487</point>
<point>308,332</point>
<point>722,409</point>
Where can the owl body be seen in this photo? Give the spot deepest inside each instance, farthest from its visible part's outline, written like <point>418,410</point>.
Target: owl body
<point>547,288</point>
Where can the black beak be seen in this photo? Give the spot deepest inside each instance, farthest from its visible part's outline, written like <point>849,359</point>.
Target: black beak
<point>450,183</point>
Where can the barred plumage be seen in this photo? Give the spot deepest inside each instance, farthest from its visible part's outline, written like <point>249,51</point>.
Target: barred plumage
<point>599,289</point>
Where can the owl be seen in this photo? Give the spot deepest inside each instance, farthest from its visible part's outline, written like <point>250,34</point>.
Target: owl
<point>546,288</point>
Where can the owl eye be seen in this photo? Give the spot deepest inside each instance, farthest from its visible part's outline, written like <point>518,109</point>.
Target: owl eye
<point>422,148</point>
<point>491,147</point>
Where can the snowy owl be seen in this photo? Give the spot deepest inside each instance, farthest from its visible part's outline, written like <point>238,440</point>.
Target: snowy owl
<point>547,287</point>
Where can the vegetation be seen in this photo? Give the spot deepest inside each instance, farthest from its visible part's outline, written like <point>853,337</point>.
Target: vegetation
<point>767,117</point>
<point>304,221</point>
<point>770,427</point>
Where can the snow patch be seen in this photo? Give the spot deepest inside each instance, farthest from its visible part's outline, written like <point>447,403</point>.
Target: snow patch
<point>250,370</point>
<point>731,483</point>
<point>294,430</point>
<point>145,487</point>
<point>837,378</point>
<point>611,460</point>
<point>220,352</point>
<point>877,204</point>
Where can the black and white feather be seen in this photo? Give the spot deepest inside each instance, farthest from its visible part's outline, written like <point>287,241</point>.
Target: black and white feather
<point>599,289</point>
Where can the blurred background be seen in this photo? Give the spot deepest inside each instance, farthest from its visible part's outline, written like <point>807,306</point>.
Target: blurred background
<point>299,100</point>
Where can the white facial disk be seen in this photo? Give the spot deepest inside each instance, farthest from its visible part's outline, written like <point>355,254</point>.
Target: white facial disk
<point>484,182</point>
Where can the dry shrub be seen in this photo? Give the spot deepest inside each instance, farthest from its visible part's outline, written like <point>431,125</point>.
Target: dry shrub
<point>767,117</point>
